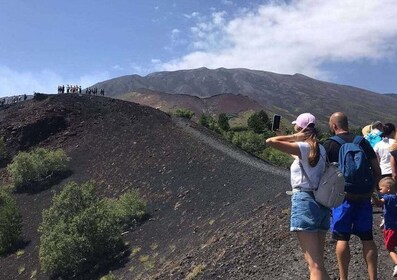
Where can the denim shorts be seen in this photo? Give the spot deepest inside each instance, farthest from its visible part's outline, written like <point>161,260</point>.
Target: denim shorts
<point>307,214</point>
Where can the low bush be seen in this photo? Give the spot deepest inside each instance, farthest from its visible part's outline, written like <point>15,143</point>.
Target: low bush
<point>35,166</point>
<point>129,208</point>
<point>277,157</point>
<point>249,141</point>
<point>10,222</point>
<point>80,230</point>
<point>77,231</point>
<point>184,113</point>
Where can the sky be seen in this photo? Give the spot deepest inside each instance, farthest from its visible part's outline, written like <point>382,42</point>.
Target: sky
<point>46,43</point>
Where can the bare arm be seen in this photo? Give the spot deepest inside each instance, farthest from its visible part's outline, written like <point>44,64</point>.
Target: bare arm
<point>377,201</point>
<point>287,143</point>
<point>376,172</point>
<point>393,167</point>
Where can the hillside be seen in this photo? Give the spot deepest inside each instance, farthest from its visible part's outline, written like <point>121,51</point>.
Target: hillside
<point>287,95</point>
<point>212,207</point>
<point>224,103</point>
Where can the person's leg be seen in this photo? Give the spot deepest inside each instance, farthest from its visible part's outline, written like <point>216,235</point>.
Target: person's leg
<point>312,244</point>
<point>343,257</point>
<point>393,257</point>
<point>370,252</point>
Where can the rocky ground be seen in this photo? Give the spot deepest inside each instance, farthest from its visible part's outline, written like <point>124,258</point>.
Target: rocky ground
<point>215,212</point>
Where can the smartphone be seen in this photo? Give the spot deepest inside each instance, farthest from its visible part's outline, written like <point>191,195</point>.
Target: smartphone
<point>276,122</point>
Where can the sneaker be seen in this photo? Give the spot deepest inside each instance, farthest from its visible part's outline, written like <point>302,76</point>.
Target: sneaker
<point>395,271</point>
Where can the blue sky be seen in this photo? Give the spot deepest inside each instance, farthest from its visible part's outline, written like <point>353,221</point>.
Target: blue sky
<point>44,43</point>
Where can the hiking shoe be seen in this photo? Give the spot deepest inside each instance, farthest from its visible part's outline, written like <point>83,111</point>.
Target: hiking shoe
<point>382,224</point>
<point>395,271</point>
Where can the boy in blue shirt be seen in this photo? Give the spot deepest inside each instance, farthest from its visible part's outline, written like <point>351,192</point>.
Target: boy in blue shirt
<point>389,202</point>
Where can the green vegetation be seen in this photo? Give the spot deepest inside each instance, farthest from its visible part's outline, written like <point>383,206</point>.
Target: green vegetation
<point>276,157</point>
<point>259,122</point>
<point>129,208</point>
<point>249,141</point>
<point>184,113</point>
<point>109,276</point>
<point>80,230</point>
<point>223,122</point>
<point>10,222</point>
<point>251,138</point>
<point>36,166</point>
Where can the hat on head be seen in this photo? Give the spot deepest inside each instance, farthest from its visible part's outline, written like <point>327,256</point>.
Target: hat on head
<point>303,120</point>
<point>366,130</point>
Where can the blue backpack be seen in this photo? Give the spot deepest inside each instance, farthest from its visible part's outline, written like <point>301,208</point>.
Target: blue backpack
<point>355,166</point>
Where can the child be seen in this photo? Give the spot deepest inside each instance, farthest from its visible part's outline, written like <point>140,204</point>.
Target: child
<point>389,202</point>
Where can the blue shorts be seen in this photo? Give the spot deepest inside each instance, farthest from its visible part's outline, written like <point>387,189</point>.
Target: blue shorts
<point>352,217</point>
<point>307,214</point>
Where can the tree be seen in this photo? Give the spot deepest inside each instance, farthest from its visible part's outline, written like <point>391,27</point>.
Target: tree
<point>223,122</point>
<point>259,122</point>
<point>264,119</point>
<point>203,120</point>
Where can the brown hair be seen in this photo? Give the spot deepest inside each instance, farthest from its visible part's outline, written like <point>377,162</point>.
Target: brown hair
<point>314,153</point>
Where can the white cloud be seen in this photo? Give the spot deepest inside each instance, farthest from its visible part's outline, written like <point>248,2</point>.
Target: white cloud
<point>16,82</point>
<point>117,67</point>
<point>155,61</point>
<point>294,38</point>
<point>192,15</point>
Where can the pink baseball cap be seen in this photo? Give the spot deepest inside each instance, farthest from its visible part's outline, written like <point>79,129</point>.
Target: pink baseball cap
<point>303,120</point>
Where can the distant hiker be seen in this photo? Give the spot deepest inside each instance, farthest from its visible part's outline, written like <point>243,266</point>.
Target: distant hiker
<point>388,201</point>
<point>382,149</point>
<point>25,97</point>
<point>309,219</point>
<point>79,89</point>
<point>102,92</point>
<point>362,174</point>
<point>67,89</point>
<point>376,133</point>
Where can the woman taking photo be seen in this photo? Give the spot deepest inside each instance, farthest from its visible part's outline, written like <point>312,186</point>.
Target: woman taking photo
<point>309,219</point>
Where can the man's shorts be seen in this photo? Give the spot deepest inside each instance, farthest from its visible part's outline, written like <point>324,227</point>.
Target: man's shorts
<point>352,217</point>
<point>390,237</point>
<point>307,214</point>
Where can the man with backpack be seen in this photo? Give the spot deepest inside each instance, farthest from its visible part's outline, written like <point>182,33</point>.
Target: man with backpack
<point>359,165</point>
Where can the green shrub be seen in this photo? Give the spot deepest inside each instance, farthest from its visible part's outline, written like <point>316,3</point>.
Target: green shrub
<point>184,113</point>
<point>3,149</point>
<point>35,166</point>
<point>10,222</point>
<point>277,157</point>
<point>109,276</point>
<point>129,208</point>
<point>78,231</point>
<point>223,122</point>
<point>249,141</point>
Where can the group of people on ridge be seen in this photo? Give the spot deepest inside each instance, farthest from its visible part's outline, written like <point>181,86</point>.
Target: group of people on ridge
<point>376,184</point>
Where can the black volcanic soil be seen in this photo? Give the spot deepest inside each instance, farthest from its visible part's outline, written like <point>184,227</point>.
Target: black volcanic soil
<point>212,208</point>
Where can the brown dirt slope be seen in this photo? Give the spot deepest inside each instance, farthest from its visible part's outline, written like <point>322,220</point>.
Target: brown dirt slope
<point>215,212</point>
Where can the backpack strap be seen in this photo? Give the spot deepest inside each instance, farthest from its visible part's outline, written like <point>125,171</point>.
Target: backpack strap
<point>358,139</point>
<point>338,139</point>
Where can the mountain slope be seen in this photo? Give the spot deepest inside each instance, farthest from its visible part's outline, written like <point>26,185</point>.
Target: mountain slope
<point>288,95</point>
<point>223,103</point>
<point>212,206</point>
